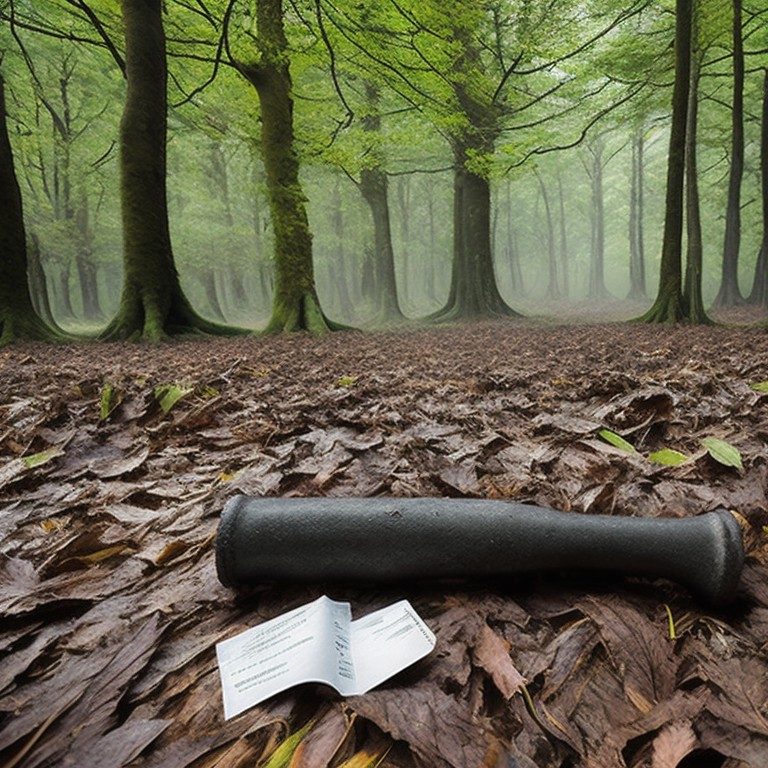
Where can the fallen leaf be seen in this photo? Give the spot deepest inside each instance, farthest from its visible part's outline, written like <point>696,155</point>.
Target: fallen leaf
<point>168,395</point>
<point>492,654</point>
<point>673,743</point>
<point>668,457</point>
<point>723,452</point>
<point>617,440</point>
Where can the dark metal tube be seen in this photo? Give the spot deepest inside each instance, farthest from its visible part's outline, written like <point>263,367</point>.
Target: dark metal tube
<point>384,539</point>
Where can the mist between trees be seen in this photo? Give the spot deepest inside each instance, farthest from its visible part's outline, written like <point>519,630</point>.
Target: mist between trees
<point>220,165</point>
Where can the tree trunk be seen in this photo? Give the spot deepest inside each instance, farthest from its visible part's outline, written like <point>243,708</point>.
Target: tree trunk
<point>597,289</point>
<point>692,290</point>
<point>374,187</point>
<point>637,287</point>
<point>759,294</point>
<point>18,319</point>
<point>295,305</point>
<point>152,303</point>
<point>513,254</point>
<point>473,292</point>
<point>86,269</point>
<point>65,292</point>
<point>563,239</point>
<point>240,297</point>
<point>669,305</point>
<point>338,262</point>
<point>38,282</point>
<point>207,279</point>
<point>553,287</point>
<point>729,294</point>
<point>431,270</point>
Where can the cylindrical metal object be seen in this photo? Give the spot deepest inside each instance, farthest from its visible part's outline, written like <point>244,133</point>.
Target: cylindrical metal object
<point>385,539</point>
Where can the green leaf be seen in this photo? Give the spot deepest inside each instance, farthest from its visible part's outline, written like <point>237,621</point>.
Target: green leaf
<point>617,441</point>
<point>170,394</point>
<point>760,386</point>
<point>110,398</point>
<point>723,452</point>
<point>38,459</point>
<point>347,381</point>
<point>668,457</point>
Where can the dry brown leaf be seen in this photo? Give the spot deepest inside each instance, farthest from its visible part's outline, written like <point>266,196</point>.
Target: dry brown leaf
<point>673,743</point>
<point>491,652</point>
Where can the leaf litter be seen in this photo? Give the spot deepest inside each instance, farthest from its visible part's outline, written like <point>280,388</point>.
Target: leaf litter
<point>112,479</point>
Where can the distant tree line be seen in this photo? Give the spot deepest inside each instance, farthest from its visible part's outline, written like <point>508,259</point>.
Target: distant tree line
<point>499,95</point>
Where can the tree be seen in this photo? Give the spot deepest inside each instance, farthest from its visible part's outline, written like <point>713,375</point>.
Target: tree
<point>374,186</point>
<point>694,304</point>
<point>759,293</point>
<point>669,305</point>
<point>637,284</point>
<point>152,305</point>
<point>295,306</point>
<point>729,294</point>
<point>18,319</point>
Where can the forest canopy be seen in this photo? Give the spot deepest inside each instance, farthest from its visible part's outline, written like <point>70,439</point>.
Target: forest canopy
<point>220,165</point>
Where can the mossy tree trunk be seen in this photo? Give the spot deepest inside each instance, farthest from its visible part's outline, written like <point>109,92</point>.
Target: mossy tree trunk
<point>295,306</point>
<point>18,319</point>
<point>669,306</point>
<point>729,294</point>
<point>694,303</point>
<point>759,294</point>
<point>152,305</point>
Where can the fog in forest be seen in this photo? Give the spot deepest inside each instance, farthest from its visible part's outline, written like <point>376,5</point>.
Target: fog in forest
<point>576,163</point>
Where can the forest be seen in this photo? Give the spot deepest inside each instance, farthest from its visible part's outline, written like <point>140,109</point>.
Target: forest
<point>505,257</point>
<point>196,166</point>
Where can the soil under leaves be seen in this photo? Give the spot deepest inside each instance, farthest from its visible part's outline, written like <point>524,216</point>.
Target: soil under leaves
<point>109,599</point>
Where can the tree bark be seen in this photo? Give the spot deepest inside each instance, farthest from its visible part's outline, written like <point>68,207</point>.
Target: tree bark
<point>18,319</point>
<point>152,304</point>
<point>295,305</point>
<point>759,294</point>
<point>729,294</point>
<point>669,305</point>
<point>694,303</point>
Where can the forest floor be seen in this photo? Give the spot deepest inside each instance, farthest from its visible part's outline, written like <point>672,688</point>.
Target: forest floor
<point>111,608</point>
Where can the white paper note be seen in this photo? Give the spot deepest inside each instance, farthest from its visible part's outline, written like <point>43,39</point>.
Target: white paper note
<point>319,642</point>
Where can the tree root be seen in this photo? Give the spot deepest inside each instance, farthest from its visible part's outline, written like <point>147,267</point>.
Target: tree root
<point>14,328</point>
<point>305,314</point>
<point>140,320</point>
<point>668,308</point>
<point>454,312</point>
